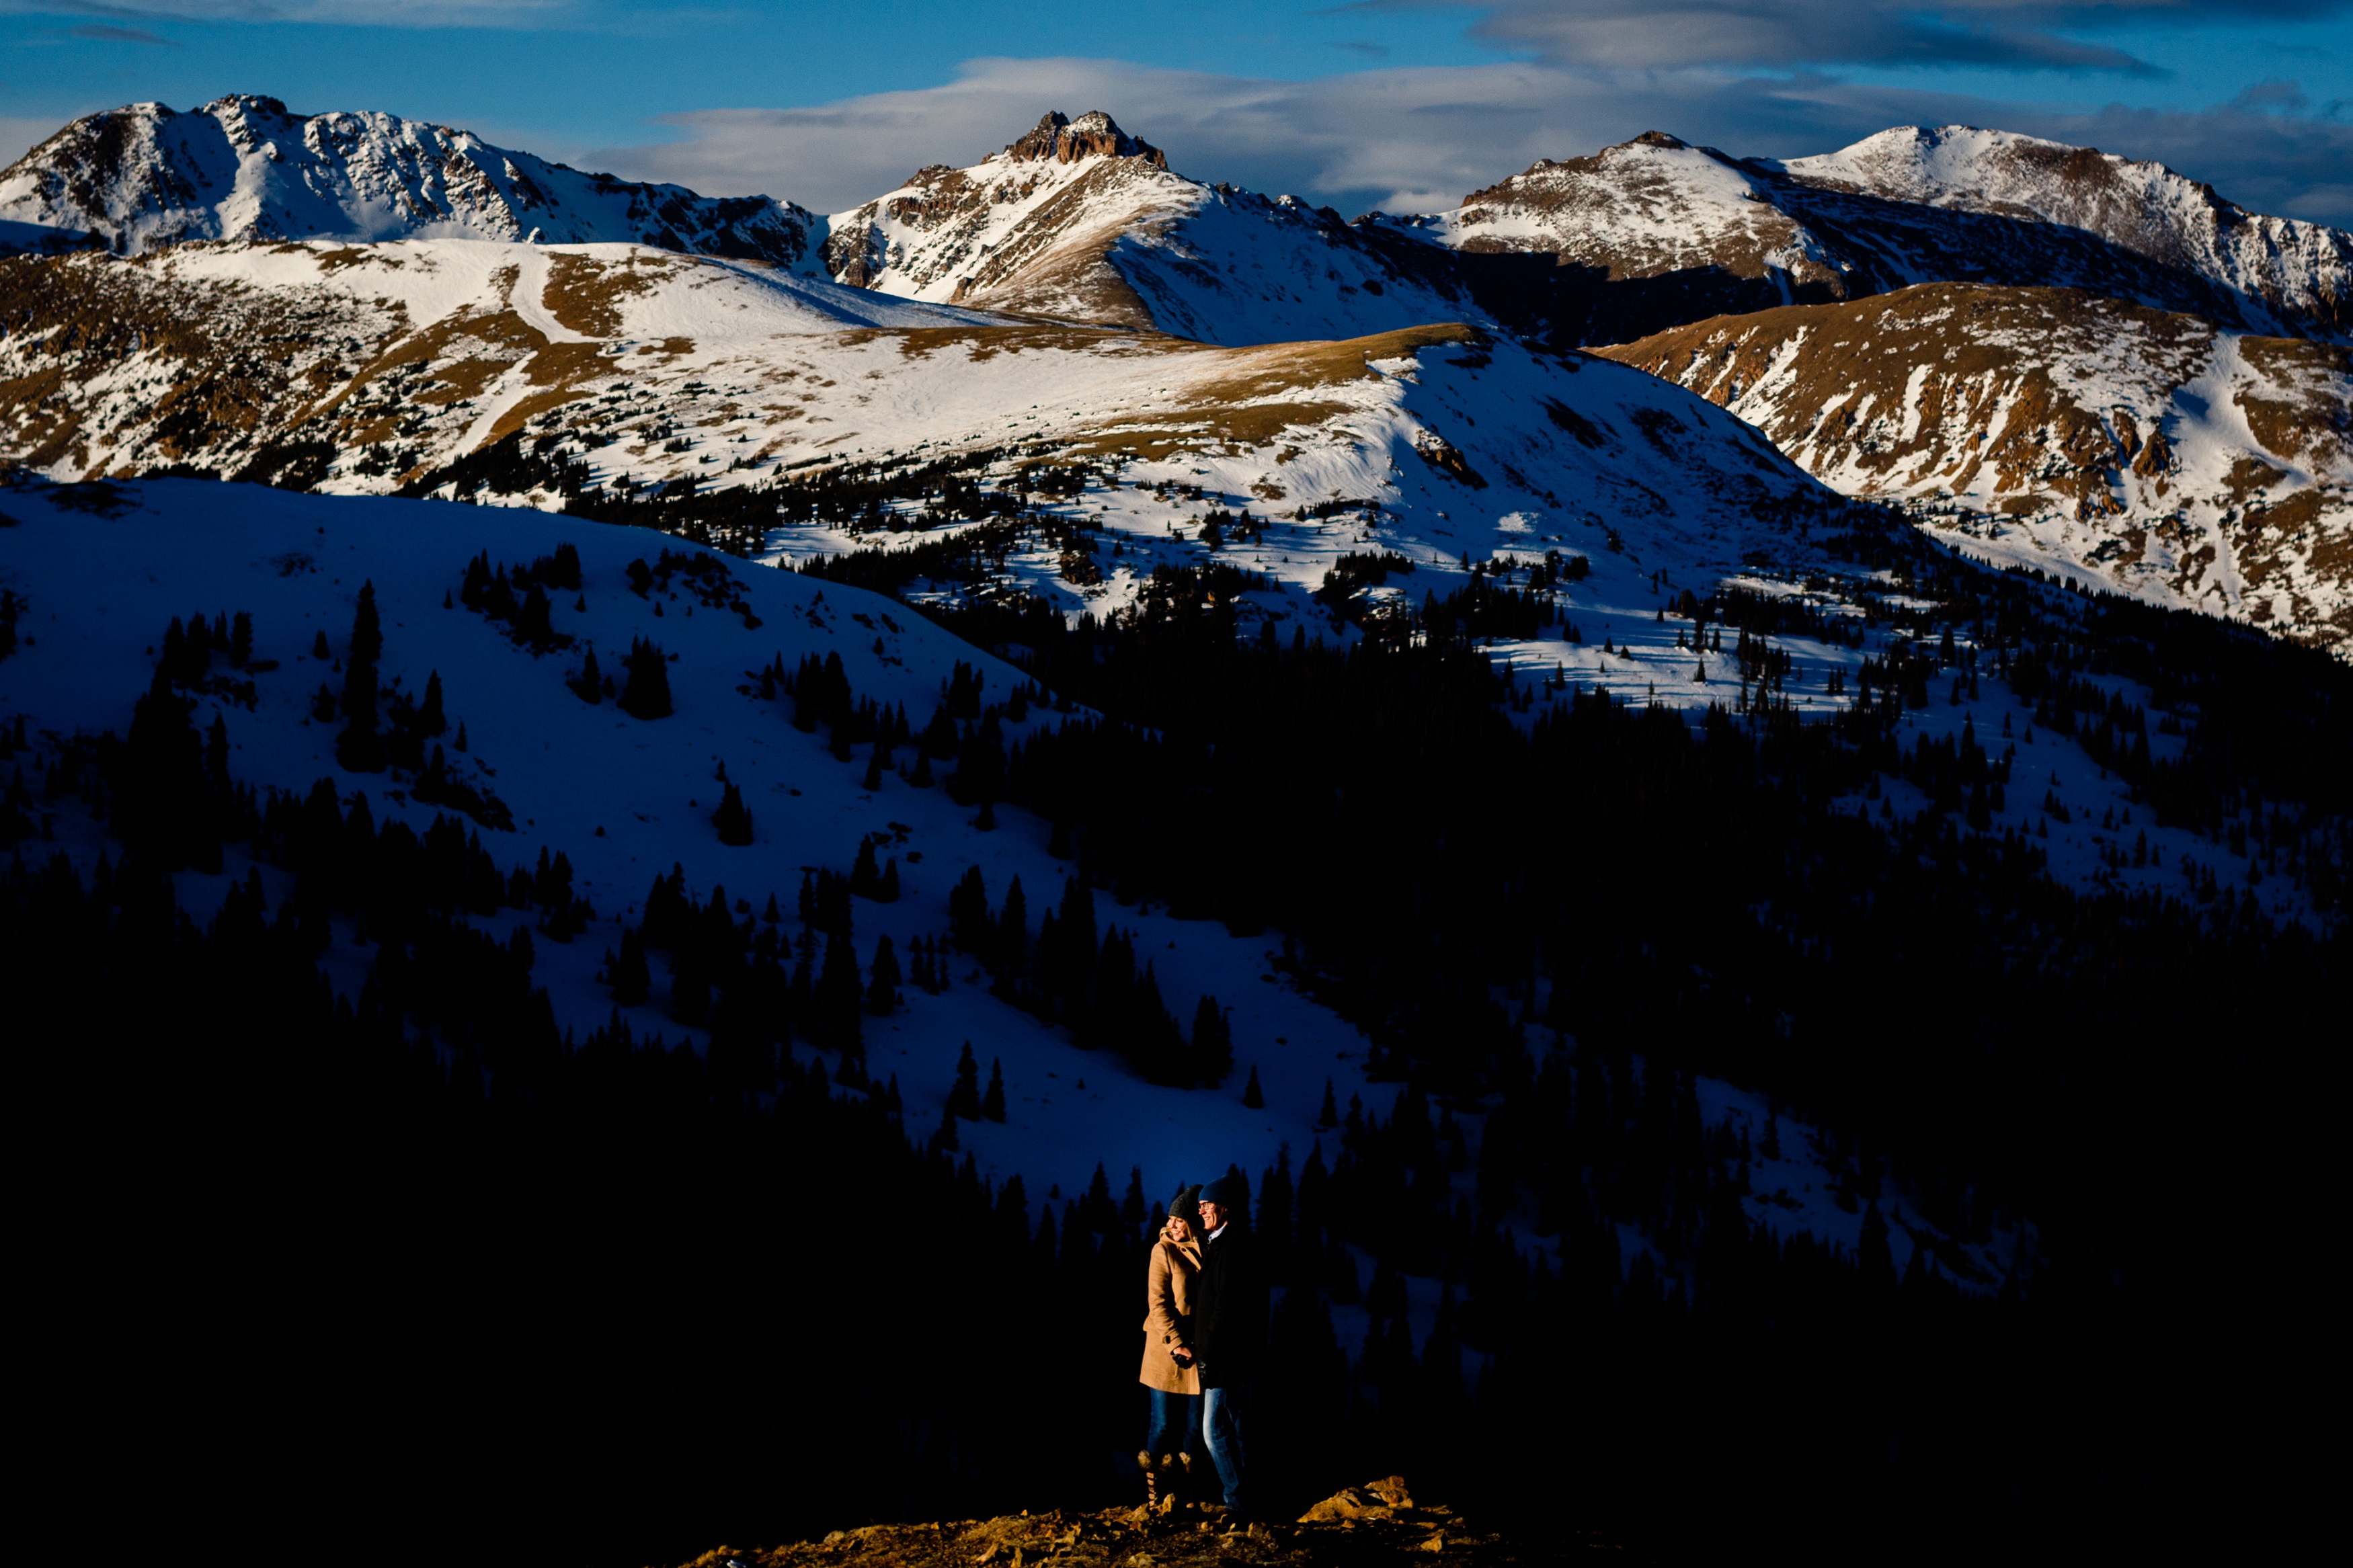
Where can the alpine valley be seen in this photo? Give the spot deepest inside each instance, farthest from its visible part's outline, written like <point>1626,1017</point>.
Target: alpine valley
<point>1724,780</point>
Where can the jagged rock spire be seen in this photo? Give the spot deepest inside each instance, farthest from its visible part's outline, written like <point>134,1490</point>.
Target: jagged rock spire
<point>1091,134</point>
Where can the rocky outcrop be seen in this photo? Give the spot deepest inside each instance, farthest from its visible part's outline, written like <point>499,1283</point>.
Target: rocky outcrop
<point>1378,1525</point>
<point>2148,451</point>
<point>1094,134</point>
<point>244,168</point>
<point>1079,221</point>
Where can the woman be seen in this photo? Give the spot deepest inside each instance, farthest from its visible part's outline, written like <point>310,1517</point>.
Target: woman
<point>1168,1372</point>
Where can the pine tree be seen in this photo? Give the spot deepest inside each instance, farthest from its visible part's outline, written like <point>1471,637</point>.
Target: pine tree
<point>626,973</point>
<point>992,1102</point>
<point>882,994</point>
<point>969,926</point>
<point>734,820</point>
<point>1329,1116</point>
<point>964,1099</point>
<point>164,803</point>
<point>589,684</point>
<point>360,748</point>
<point>1251,1095</point>
<point>647,696</point>
<point>839,997</point>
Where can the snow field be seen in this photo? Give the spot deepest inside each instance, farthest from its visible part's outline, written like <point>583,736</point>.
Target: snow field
<point>568,770</point>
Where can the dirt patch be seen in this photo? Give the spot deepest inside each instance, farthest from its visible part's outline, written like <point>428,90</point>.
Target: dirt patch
<point>528,409</point>
<point>586,295</point>
<point>2250,475</point>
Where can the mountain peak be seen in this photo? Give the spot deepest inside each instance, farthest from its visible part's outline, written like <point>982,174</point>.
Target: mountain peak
<point>244,168</point>
<point>1091,135</point>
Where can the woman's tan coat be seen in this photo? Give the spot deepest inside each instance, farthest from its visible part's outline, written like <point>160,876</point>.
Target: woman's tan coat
<point>1168,1316</point>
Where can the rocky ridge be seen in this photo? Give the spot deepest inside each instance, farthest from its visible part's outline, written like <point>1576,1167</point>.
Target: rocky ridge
<point>1079,221</point>
<point>1655,231</point>
<point>244,168</point>
<point>1375,1524</point>
<point>2278,272</point>
<point>2151,452</point>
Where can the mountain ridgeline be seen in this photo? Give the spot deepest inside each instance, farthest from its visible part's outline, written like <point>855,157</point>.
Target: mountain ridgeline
<point>1079,222</point>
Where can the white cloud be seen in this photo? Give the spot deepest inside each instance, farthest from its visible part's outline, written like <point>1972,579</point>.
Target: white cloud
<point>1414,139</point>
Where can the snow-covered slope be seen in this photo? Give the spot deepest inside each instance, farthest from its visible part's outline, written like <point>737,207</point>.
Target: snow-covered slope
<point>2149,451</point>
<point>625,799</point>
<point>1646,209</point>
<point>242,167</point>
<point>1080,221</point>
<point>1655,231</point>
<point>2280,272</point>
<point>354,369</point>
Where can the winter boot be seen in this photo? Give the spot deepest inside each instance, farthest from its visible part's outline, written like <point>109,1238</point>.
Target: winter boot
<point>1151,1469</point>
<point>1180,1476</point>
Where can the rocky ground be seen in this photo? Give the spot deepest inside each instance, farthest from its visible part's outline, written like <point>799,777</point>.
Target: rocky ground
<point>1378,1525</point>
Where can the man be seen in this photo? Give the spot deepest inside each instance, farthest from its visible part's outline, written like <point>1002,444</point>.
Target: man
<point>1229,1332</point>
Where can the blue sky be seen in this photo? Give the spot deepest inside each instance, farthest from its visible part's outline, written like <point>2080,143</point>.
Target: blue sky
<point>1397,103</point>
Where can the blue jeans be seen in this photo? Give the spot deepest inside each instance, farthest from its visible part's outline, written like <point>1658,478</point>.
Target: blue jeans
<point>1224,1412</point>
<point>1176,1423</point>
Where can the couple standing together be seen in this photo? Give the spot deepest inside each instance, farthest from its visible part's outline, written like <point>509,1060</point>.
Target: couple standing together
<point>1204,1333</point>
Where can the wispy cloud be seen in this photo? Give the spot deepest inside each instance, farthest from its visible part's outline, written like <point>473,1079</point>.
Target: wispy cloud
<point>1415,138</point>
<point>409,14</point>
<point>106,33</point>
<point>2007,35</point>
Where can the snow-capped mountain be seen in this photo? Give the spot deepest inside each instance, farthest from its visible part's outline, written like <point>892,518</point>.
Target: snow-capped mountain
<point>1655,231</point>
<point>2278,272</point>
<point>243,168</point>
<point>1081,221</point>
<point>2148,450</point>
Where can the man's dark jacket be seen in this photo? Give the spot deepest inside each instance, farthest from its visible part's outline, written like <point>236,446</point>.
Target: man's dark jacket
<point>1228,1310</point>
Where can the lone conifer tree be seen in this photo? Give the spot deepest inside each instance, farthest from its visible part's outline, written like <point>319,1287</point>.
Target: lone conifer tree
<point>883,995</point>
<point>361,748</point>
<point>992,1102</point>
<point>734,820</point>
<point>965,1099</point>
<point>648,694</point>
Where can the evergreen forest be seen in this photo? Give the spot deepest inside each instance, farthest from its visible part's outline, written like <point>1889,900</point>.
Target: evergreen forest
<point>417,1264</point>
